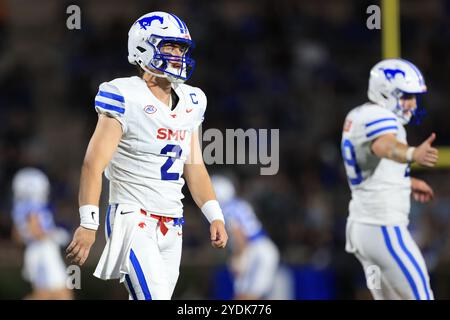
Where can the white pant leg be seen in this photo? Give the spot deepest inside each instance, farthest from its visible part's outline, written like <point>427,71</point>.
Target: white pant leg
<point>44,266</point>
<point>412,251</point>
<point>109,225</point>
<point>170,246</point>
<point>382,292</point>
<point>154,261</point>
<point>392,251</point>
<point>261,265</point>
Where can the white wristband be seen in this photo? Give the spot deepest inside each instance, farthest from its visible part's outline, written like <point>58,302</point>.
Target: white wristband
<point>89,217</point>
<point>212,211</point>
<point>409,154</point>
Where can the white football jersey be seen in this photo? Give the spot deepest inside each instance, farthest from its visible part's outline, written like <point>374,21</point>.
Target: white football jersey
<point>381,188</point>
<point>239,213</point>
<point>147,167</point>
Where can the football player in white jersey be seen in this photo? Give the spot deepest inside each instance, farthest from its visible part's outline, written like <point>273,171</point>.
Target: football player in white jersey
<point>255,258</point>
<point>147,138</point>
<point>35,228</point>
<point>377,160</point>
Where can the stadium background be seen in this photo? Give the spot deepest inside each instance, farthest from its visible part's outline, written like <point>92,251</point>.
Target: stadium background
<point>298,66</point>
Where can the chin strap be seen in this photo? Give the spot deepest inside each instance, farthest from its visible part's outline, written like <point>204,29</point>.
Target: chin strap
<point>169,77</point>
<point>151,72</point>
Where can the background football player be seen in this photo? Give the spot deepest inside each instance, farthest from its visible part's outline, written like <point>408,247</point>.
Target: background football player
<point>34,227</point>
<point>377,159</point>
<point>254,257</point>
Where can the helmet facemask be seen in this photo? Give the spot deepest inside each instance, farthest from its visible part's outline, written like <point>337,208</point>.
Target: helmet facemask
<point>405,116</point>
<point>419,112</point>
<point>163,62</point>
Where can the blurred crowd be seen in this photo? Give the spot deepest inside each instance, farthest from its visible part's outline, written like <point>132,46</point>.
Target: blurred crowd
<point>294,65</point>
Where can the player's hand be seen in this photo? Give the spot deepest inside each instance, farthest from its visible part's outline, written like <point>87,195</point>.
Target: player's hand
<point>78,249</point>
<point>425,154</point>
<point>421,191</point>
<point>219,236</point>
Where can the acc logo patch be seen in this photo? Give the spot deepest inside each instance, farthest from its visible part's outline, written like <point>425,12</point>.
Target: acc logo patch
<point>150,109</point>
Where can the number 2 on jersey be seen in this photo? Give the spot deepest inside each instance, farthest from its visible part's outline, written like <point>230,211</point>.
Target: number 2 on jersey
<point>349,155</point>
<point>174,148</point>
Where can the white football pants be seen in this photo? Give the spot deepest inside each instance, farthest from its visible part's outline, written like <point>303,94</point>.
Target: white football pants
<point>155,257</point>
<point>392,262</point>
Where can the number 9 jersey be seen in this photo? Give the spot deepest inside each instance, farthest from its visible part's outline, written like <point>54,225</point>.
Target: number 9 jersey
<point>380,187</point>
<point>147,167</point>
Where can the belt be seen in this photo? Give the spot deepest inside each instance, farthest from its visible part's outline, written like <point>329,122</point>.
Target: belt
<point>162,221</point>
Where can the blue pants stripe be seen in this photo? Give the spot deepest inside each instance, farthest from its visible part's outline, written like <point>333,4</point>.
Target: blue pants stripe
<point>405,271</point>
<point>413,261</point>
<point>140,275</point>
